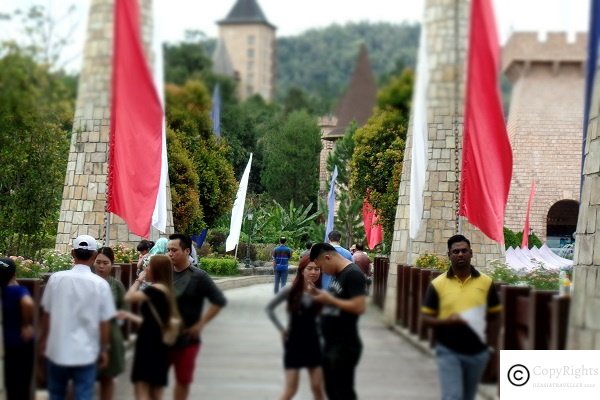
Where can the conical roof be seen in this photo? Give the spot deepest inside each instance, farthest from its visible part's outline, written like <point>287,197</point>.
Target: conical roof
<point>246,12</point>
<point>360,97</point>
<point>221,61</point>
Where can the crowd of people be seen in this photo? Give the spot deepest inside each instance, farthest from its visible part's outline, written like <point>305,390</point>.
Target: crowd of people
<point>85,306</point>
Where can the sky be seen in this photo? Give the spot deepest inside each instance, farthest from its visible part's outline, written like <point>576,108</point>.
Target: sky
<point>293,17</point>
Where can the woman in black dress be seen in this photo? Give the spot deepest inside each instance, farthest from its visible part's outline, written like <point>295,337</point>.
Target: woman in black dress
<point>150,363</point>
<point>302,347</point>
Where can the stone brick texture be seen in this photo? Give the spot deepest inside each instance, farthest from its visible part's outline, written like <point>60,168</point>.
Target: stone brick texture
<point>84,194</point>
<point>545,123</point>
<point>584,317</point>
<point>445,101</point>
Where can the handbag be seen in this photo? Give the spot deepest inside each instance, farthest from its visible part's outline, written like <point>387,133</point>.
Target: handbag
<point>169,332</point>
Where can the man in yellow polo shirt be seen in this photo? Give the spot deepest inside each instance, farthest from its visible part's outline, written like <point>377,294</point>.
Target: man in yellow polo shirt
<point>456,305</point>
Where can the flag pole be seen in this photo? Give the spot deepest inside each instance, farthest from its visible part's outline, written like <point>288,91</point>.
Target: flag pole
<point>456,123</point>
<point>106,228</point>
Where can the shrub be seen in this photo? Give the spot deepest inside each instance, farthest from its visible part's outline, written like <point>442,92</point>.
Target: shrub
<point>542,278</point>
<point>264,252</point>
<point>28,268</point>
<point>124,254</point>
<point>433,262</point>
<point>56,261</point>
<point>219,266</point>
<point>501,272</point>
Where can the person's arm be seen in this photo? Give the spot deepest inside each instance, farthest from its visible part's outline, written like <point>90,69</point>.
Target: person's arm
<point>217,300</point>
<point>27,307</point>
<point>44,334</point>
<point>429,311</point>
<point>355,287</point>
<point>134,295</point>
<point>104,344</point>
<point>356,305</point>
<point>279,298</point>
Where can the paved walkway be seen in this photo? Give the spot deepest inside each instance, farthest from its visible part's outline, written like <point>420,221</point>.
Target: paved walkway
<point>241,358</point>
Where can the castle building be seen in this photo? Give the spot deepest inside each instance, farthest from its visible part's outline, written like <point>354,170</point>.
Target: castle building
<point>356,105</point>
<point>545,125</point>
<point>246,50</point>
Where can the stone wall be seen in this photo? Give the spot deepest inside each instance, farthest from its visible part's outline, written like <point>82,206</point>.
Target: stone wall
<point>84,193</point>
<point>544,123</point>
<point>444,97</point>
<point>584,317</point>
<point>251,48</point>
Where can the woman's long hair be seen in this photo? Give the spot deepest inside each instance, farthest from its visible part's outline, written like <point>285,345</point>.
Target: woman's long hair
<point>298,285</point>
<point>8,269</point>
<point>161,271</point>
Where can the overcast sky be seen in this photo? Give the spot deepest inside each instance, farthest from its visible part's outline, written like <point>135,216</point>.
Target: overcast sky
<point>295,16</point>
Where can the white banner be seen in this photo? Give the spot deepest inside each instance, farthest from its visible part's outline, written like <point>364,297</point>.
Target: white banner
<point>549,374</point>
<point>420,133</point>
<point>237,212</point>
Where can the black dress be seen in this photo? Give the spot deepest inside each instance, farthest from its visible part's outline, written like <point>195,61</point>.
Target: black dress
<point>303,347</point>
<point>150,363</point>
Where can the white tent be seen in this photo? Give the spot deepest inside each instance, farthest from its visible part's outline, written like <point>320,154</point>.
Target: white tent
<point>523,259</point>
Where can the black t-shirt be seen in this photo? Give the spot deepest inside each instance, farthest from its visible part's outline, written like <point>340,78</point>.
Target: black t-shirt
<point>192,286</point>
<point>340,326</point>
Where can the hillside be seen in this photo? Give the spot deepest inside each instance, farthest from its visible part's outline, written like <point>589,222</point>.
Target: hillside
<point>320,61</point>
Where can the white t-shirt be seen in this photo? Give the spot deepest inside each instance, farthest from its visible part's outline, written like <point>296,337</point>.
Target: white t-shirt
<point>77,301</point>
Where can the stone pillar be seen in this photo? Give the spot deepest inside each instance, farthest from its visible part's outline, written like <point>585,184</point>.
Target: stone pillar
<point>584,317</point>
<point>84,193</point>
<point>446,70</point>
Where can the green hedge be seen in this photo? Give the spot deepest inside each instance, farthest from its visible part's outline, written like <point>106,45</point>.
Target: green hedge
<point>219,266</point>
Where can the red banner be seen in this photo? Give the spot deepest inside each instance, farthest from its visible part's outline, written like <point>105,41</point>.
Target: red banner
<point>373,231</point>
<point>135,149</point>
<point>487,155</point>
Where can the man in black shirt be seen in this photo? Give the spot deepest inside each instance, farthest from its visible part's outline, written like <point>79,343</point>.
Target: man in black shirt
<point>343,302</point>
<point>192,286</point>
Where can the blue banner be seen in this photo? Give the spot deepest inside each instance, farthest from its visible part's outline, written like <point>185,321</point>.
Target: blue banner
<point>216,110</point>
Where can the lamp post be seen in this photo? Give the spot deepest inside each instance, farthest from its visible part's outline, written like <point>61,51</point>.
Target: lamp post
<point>249,217</point>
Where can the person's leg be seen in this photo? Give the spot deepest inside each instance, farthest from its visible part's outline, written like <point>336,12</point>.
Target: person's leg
<point>277,277</point>
<point>58,378</point>
<point>339,365</point>
<point>450,373</point>
<point>84,378</point>
<point>316,382</point>
<point>156,392</point>
<point>18,370</point>
<point>141,391</point>
<point>284,275</point>
<point>473,368</point>
<point>292,377</point>
<point>107,387</point>
<point>184,362</point>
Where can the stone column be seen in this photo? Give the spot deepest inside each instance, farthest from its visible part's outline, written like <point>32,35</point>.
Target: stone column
<point>84,193</point>
<point>446,46</point>
<point>584,317</point>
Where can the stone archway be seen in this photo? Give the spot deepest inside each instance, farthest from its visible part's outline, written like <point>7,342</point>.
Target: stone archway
<point>561,223</point>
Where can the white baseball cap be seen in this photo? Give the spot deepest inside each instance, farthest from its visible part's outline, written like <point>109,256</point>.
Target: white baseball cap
<point>85,242</point>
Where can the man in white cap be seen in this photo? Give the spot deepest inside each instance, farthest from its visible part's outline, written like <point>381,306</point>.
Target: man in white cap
<point>78,307</point>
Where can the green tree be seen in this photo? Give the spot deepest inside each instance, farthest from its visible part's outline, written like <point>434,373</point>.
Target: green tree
<point>184,181</point>
<point>36,111</point>
<point>188,112</point>
<point>291,159</point>
<point>348,219</point>
<point>377,165</point>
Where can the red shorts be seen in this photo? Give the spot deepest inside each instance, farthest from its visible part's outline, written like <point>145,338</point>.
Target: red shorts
<point>184,361</point>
